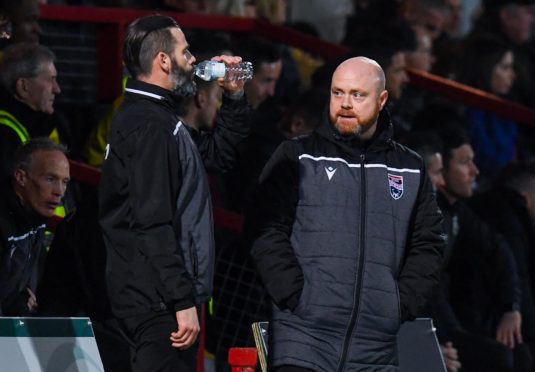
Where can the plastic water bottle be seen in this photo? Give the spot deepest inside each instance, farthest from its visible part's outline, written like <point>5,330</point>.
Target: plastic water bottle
<point>212,70</point>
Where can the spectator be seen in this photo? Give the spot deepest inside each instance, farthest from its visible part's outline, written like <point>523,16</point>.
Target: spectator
<point>24,16</point>
<point>476,307</point>
<point>489,65</point>
<point>304,114</point>
<point>160,253</point>
<point>429,147</point>
<point>39,180</point>
<point>390,49</point>
<point>511,22</point>
<point>265,136</point>
<point>413,99</point>
<point>341,219</point>
<point>431,15</point>
<point>267,66</point>
<point>509,207</point>
<point>421,58</point>
<point>5,21</point>
<point>29,87</point>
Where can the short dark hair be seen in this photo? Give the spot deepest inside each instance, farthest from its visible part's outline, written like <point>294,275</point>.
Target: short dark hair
<point>445,120</point>
<point>257,51</point>
<point>310,105</point>
<point>23,60</point>
<point>425,143</point>
<point>24,153</point>
<point>145,38</point>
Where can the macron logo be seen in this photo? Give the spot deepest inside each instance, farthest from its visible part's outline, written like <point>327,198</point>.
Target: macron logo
<point>330,172</point>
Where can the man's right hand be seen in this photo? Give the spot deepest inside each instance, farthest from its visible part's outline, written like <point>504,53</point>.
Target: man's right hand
<point>188,329</point>
<point>32,300</point>
<point>451,357</point>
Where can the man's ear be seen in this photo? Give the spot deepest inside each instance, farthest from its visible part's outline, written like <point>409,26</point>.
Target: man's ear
<point>164,62</point>
<point>200,98</point>
<point>383,97</point>
<point>20,177</point>
<point>22,88</point>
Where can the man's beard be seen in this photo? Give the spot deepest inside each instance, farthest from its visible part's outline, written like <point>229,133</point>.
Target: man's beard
<point>358,129</point>
<point>183,84</point>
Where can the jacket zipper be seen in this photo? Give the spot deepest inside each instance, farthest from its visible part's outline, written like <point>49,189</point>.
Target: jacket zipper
<point>358,284</point>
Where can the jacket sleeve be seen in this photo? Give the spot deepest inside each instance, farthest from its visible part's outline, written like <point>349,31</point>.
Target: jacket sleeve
<point>476,235</point>
<point>155,181</point>
<point>219,148</point>
<point>268,228</point>
<point>423,257</point>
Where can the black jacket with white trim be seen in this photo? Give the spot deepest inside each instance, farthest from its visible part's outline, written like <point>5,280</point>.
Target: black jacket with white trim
<point>22,245</point>
<point>348,241</point>
<point>154,201</point>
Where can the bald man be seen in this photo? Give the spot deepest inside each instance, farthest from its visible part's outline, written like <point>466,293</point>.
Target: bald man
<point>345,234</point>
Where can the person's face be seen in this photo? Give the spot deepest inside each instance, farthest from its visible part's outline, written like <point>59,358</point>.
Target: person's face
<point>42,187</point>
<point>25,22</point>
<point>516,21</point>
<point>396,77</point>
<point>529,197</point>
<point>39,92</point>
<point>6,28</point>
<point>181,75</point>
<point>356,99</point>
<point>421,58</point>
<point>209,104</point>
<point>181,53</point>
<point>453,22</point>
<point>503,75</point>
<point>262,85</point>
<point>435,170</point>
<point>461,173</point>
<point>434,22</point>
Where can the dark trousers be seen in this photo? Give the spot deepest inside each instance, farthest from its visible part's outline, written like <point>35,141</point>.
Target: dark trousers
<point>149,335</point>
<point>482,354</point>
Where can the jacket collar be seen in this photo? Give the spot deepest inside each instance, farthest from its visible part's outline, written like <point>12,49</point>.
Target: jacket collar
<point>37,123</point>
<point>19,211</point>
<point>380,140</point>
<point>140,89</point>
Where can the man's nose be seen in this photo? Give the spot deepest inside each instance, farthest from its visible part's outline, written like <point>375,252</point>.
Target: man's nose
<point>59,189</point>
<point>404,77</point>
<point>474,169</point>
<point>55,88</point>
<point>271,89</point>
<point>346,102</point>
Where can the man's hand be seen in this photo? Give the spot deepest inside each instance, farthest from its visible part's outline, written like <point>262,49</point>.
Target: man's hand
<point>230,86</point>
<point>188,329</point>
<point>509,330</point>
<point>451,358</point>
<point>32,300</point>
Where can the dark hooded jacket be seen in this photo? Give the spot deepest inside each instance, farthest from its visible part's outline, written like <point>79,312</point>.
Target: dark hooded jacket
<point>347,238</point>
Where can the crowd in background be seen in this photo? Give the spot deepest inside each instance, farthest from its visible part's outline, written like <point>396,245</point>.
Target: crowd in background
<point>484,308</point>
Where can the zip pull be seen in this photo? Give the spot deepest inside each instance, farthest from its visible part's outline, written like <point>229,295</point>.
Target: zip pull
<point>362,158</point>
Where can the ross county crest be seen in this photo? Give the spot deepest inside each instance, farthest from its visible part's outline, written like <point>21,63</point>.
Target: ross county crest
<point>395,184</point>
